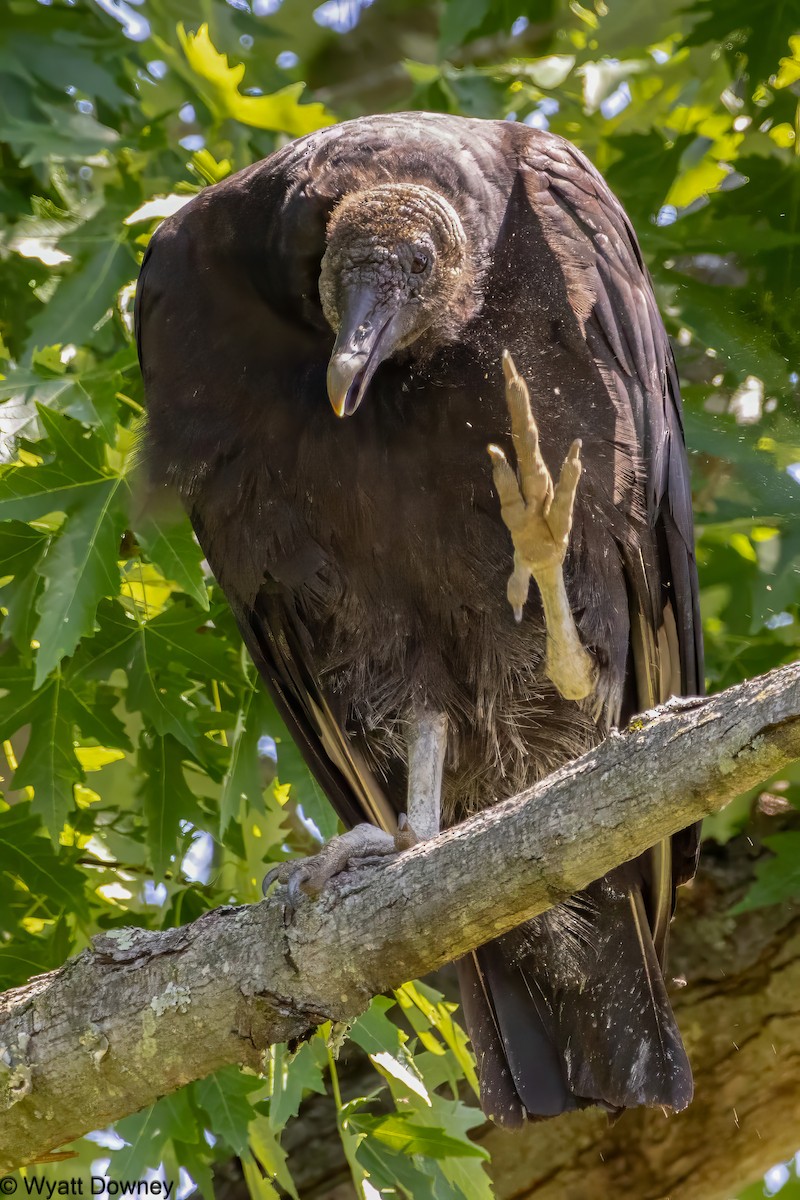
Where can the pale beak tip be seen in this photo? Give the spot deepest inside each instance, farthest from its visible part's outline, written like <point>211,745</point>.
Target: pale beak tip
<point>343,371</point>
<point>338,404</point>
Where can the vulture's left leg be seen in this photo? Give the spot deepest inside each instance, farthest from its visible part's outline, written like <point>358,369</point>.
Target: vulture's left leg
<point>538,515</point>
<point>427,740</point>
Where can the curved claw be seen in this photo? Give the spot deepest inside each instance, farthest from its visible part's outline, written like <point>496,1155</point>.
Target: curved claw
<point>310,875</point>
<point>271,876</point>
<point>405,837</point>
<point>293,874</point>
<point>296,881</point>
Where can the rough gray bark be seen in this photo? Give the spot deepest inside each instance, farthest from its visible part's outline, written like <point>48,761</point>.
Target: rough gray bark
<point>142,1014</point>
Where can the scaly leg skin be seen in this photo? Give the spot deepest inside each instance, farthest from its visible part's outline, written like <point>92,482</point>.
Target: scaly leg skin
<point>367,843</point>
<point>538,515</point>
<point>363,842</point>
<point>427,742</point>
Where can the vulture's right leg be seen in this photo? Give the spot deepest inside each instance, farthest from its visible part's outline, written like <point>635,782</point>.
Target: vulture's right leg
<point>427,740</point>
<point>538,515</point>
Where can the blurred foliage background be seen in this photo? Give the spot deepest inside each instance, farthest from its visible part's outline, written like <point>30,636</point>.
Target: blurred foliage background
<point>147,777</point>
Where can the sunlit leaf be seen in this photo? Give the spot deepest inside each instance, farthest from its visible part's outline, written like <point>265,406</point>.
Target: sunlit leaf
<point>280,111</point>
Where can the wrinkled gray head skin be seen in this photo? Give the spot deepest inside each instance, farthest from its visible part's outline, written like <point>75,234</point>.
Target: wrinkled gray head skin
<point>397,265</point>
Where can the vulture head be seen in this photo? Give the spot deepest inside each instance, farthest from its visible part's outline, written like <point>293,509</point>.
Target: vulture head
<point>397,265</point>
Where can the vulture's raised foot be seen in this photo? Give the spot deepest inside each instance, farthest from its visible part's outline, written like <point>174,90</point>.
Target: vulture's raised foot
<point>356,847</point>
<point>538,515</point>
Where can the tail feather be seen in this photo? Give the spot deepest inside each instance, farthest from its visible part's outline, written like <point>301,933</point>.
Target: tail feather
<point>500,1098</point>
<point>625,1046</point>
<point>569,1012</point>
<point>519,1069</point>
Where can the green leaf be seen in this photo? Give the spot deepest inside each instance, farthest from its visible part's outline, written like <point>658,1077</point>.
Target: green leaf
<point>457,1119</point>
<point>59,132</point>
<point>789,72</point>
<point>166,798</point>
<point>171,545</point>
<point>403,1136</point>
<point>270,1154</point>
<point>54,883</point>
<point>293,1077</point>
<point>79,570</point>
<point>29,492</point>
<point>102,263</point>
<point>778,877</point>
<point>160,657</point>
<point>148,1135</point>
<point>244,779</point>
<point>281,111</point>
<point>196,1160</point>
<point>374,1032</point>
<point>93,709</point>
<point>306,791</point>
<point>181,635</point>
<point>763,1188</point>
<point>48,764</point>
<point>258,1186</point>
<point>80,565</point>
<point>426,1008</point>
<point>178,1117</point>
<point>84,296</point>
<point>757,28</point>
<point>89,397</point>
<point>19,599</point>
<point>20,547</point>
<point>225,1097</point>
<point>394,1172</point>
<point>28,955</point>
<point>643,170</point>
<point>461,18</point>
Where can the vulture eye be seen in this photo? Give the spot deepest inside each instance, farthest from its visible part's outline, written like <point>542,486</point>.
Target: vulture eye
<point>418,264</point>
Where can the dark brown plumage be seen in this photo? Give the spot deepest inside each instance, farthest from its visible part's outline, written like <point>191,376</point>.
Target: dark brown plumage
<point>366,560</point>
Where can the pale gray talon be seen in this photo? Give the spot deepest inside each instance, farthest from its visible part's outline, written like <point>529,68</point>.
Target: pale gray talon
<point>309,875</point>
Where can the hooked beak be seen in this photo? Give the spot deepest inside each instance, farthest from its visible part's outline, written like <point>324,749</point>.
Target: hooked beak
<point>368,334</point>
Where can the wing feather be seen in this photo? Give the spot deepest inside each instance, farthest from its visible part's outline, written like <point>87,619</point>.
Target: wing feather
<point>169,337</point>
<point>628,342</point>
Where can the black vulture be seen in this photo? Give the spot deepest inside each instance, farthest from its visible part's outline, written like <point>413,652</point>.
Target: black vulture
<point>417,270</point>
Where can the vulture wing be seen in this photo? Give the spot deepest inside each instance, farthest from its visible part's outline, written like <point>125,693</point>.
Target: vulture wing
<point>611,1038</point>
<point>612,295</point>
<point>202,311</point>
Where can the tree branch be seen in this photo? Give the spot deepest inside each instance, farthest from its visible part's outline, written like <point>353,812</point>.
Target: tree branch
<point>740,1020</point>
<point>141,1013</point>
